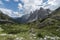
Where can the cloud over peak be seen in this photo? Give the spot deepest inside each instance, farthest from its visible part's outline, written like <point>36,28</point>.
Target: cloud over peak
<point>32,5</point>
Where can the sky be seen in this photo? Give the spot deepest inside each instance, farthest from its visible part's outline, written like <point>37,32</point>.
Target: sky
<point>17,8</point>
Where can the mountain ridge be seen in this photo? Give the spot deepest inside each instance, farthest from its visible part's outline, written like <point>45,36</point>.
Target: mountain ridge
<point>38,14</point>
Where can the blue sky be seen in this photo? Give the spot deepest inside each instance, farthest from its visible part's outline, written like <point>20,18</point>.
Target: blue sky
<point>17,8</point>
<point>11,4</point>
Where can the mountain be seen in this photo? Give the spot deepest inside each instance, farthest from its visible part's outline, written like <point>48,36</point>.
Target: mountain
<point>5,18</point>
<point>48,28</point>
<point>33,16</point>
<point>52,20</point>
<point>40,14</point>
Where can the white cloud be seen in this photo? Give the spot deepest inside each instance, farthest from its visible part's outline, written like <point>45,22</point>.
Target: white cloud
<point>32,5</point>
<point>10,13</point>
<point>53,4</point>
<point>20,6</point>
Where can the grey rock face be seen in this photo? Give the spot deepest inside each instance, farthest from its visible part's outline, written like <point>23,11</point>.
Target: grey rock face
<point>38,14</point>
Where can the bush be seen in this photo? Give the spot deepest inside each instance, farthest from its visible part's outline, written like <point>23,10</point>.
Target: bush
<point>39,35</point>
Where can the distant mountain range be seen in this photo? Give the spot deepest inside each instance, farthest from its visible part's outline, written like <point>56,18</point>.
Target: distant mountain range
<point>33,16</point>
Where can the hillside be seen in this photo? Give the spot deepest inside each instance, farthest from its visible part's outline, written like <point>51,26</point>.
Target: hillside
<point>45,29</point>
<point>5,18</point>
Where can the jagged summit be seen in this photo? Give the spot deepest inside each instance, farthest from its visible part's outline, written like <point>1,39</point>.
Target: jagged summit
<point>33,16</point>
